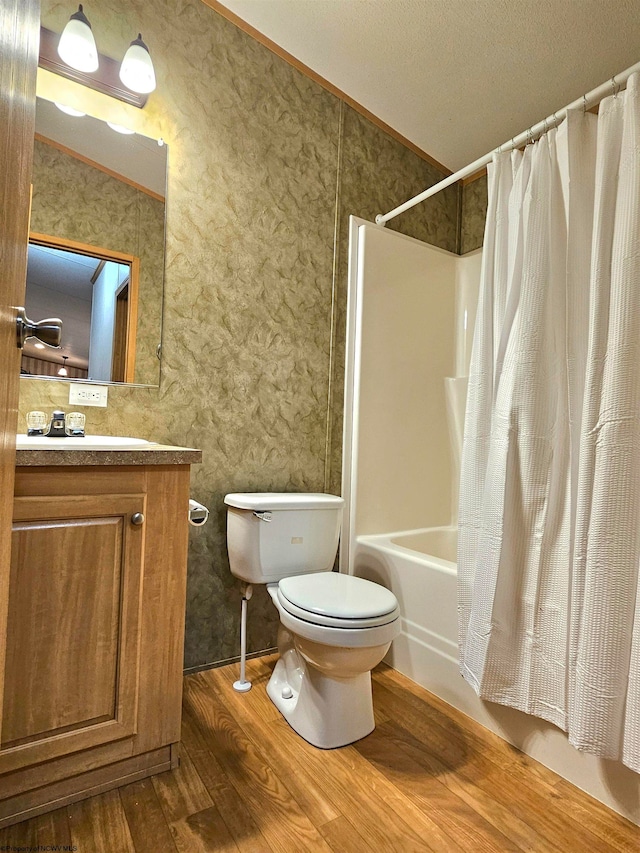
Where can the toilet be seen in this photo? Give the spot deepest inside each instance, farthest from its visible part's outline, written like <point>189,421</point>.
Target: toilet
<point>334,628</point>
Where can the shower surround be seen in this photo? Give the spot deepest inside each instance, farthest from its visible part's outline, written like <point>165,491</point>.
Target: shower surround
<point>407,336</point>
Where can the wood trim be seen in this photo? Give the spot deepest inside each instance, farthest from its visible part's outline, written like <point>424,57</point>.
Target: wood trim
<point>82,248</point>
<point>132,322</point>
<point>481,173</point>
<point>97,272</point>
<point>329,87</point>
<point>120,324</point>
<point>89,162</point>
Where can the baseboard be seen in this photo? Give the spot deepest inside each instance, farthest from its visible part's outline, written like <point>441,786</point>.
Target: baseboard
<point>190,670</point>
<point>89,784</point>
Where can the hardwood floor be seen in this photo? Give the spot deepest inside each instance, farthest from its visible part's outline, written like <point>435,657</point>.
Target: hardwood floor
<point>427,779</point>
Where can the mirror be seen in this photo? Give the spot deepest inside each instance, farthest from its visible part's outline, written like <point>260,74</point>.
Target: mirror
<point>96,249</point>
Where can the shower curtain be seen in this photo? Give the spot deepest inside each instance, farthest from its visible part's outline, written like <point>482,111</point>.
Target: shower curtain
<point>549,517</point>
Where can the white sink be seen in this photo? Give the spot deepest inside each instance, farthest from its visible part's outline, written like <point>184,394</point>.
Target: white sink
<point>90,442</point>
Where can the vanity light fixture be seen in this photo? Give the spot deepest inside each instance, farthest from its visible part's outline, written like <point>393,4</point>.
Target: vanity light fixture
<point>77,46</point>
<point>74,55</point>
<point>137,72</point>
<point>63,370</point>
<point>70,111</point>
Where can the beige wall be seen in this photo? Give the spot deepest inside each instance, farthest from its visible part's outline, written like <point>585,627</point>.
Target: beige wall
<point>264,167</point>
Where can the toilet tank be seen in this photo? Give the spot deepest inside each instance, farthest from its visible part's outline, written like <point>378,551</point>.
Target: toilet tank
<point>273,535</point>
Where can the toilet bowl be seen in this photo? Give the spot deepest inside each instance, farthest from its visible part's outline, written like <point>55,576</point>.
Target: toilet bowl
<point>334,628</point>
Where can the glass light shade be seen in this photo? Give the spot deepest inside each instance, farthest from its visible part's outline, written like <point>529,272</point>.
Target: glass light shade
<point>63,370</point>
<point>70,111</point>
<point>136,71</point>
<point>119,128</point>
<point>77,46</point>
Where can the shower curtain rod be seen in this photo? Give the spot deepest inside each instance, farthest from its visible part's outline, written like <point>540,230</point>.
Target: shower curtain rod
<point>587,101</point>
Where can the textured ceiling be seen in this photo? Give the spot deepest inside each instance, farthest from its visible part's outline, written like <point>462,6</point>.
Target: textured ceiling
<point>456,77</point>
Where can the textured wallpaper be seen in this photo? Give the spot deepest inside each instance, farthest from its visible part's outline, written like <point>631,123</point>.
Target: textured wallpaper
<point>377,173</point>
<point>74,200</point>
<point>474,213</point>
<point>265,167</point>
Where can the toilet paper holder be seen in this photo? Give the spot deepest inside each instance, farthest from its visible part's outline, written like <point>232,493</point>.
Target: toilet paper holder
<point>198,513</point>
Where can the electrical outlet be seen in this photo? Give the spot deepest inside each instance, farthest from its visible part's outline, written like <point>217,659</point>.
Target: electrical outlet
<point>88,395</point>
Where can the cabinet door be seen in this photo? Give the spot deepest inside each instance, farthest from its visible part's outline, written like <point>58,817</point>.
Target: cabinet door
<point>71,669</point>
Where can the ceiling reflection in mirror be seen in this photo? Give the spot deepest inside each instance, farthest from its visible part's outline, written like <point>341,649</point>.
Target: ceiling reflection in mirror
<point>96,248</point>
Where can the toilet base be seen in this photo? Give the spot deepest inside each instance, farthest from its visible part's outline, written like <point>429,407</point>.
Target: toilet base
<point>326,711</point>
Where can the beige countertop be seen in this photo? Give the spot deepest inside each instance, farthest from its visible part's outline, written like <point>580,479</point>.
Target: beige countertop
<point>152,454</point>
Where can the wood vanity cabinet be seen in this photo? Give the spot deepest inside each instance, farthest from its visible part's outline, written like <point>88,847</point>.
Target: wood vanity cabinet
<point>94,643</point>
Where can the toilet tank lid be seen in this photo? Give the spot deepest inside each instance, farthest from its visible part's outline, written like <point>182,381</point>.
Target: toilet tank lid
<point>261,501</point>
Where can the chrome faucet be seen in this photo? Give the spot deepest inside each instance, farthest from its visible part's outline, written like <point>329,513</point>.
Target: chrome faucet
<point>58,426</point>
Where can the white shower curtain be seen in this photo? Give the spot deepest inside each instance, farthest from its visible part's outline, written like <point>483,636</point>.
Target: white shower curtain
<point>549,518</point>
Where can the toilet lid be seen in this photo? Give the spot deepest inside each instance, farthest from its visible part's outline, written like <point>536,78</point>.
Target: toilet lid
<point>330,598</point>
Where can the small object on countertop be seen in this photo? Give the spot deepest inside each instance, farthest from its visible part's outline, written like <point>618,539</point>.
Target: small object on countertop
<point>75,424</point>
<point>36,423</point>
<point>57,427</point>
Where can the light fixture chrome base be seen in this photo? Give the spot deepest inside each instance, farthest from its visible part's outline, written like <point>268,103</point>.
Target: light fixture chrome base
<point>106,79</point>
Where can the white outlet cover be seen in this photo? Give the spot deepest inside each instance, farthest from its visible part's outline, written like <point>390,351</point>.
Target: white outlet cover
<point>88,395</point>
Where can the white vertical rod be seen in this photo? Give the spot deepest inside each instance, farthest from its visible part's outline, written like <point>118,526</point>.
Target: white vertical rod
<point>589,100</point>
<point>243,685</point>
<point>243,641</point>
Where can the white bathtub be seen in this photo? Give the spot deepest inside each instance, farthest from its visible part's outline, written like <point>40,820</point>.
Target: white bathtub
<point>419,566</point>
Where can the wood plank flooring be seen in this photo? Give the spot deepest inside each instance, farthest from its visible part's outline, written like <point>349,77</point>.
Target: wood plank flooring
<point>427,779</point>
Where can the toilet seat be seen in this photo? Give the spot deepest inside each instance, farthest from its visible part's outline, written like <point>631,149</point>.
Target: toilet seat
<point>337,601</point>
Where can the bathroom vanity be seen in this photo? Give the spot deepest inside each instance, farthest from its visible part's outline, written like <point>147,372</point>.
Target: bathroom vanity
<point>96,602</point>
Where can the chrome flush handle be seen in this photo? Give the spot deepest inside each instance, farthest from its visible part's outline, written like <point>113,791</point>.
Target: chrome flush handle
<point>48,331</point>
<point>263,516</point>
